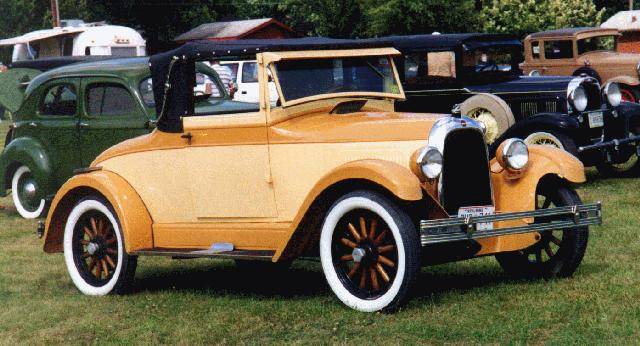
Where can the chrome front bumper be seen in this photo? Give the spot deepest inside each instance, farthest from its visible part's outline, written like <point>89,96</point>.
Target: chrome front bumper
<point>615,143</point>
<point>465,228</point>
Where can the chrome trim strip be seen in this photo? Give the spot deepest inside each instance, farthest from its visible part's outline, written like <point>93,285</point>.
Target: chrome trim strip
<point>458,228</point>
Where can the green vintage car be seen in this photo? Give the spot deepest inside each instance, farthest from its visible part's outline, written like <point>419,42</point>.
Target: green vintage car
<point>71,114</point>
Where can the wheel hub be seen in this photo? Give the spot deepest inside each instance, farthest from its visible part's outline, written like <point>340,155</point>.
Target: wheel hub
<point>29,189</point>
<point>92,248</point>
<point>358,254</point>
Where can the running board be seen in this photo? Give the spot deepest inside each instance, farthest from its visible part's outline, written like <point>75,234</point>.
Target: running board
<point>261,255</point>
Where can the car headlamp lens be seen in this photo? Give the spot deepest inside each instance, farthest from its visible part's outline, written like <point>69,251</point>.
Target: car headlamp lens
<point>612,94</point>
<point>515,154</point>
<point>578,98</point>
<point>430,162</point>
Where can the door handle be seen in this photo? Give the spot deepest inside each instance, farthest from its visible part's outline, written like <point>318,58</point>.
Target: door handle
<point>188,136</point>
<point>33,124</point>
<point>243,92</point>
<point>83,125</point>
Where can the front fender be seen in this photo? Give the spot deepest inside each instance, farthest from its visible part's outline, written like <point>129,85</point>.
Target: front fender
<point>513,195</point>
<point>519,194</point>
<point>135,220</point>
<point>628,80</point>
<point>398,180</point>
<point>29,152</point>
<point>539,122</point>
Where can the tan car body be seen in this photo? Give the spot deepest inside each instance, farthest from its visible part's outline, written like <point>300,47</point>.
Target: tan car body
<point>610,66</point>
<point>239,178</point>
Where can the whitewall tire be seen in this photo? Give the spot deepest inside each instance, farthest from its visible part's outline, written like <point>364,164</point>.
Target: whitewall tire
<point>370,251</point>
<point>94,249</point>
<point>23,190</point>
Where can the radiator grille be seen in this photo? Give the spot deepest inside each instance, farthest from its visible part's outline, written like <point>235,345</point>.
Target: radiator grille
<point>527,108</point>
<point>465,171</point>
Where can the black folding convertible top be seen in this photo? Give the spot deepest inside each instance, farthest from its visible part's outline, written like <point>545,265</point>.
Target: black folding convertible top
<point>441,42</point>
<point>178,65</point>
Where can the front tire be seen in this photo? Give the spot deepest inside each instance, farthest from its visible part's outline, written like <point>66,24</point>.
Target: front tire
<point>23,191</point>
<point>558,253</point>
<point>370,251</point>
<point>94,249</point>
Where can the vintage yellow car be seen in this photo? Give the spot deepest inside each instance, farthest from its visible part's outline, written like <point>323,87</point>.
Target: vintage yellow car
<point>328,170</point>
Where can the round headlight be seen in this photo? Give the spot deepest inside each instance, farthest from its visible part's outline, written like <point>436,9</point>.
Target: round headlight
<point>578,99</point>
<point>514,154</point>
<point>534,73</point>
<point>611,92</point>
<point>430,162</point>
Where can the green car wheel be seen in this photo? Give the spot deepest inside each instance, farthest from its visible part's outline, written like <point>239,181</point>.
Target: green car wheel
<point>23,191</point>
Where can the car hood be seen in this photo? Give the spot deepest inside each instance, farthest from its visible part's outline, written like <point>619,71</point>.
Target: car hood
<point>311,128</point>
<point>527,84</point>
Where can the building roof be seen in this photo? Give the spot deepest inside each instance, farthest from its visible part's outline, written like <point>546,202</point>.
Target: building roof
<point>569,32</point>
<point>229,30</point>
<point>624,21</point>
<point>447,41</point>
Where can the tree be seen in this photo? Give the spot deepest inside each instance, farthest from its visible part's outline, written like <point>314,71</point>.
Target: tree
<point>386,17</point>
<point>332,18</point>
<point>521,17</point>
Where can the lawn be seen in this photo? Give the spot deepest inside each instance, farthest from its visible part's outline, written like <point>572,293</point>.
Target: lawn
<point>209,301</point>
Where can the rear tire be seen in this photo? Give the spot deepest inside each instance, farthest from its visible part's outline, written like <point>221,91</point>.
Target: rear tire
<point>94,250</point>
<point>370,251</point>
<point>558,253</point>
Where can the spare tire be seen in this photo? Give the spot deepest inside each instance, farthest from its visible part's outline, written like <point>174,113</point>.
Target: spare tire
<point>490,110</point>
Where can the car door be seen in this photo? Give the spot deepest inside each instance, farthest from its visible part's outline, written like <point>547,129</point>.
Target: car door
<point>110,114</point>
<point>54,125</point>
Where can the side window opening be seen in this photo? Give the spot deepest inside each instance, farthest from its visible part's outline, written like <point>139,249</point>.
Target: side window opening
<point>109,99</point>
<point>59,100</point>
<point>558,49</point>
<point>535,49</point>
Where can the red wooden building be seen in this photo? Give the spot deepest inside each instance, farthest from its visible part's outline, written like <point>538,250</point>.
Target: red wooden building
<point>628,23</point>
<point>268,28</point>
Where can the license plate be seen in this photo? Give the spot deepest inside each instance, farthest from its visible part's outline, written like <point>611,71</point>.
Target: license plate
<point>596,119</point>
<point>478,211</point>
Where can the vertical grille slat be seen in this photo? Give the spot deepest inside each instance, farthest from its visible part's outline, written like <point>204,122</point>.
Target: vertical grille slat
<point>465,171</point>
<point>524,108</point>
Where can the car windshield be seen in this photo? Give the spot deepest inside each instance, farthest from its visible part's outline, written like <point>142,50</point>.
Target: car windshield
<point>597,43</point>
<point>303,78</point>
<point>490,60</point>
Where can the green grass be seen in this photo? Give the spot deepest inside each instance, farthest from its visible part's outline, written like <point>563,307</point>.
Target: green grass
<point>206,301</point>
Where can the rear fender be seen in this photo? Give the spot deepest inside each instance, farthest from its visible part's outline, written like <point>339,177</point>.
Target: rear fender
<point>513,195</point>
<point>29,152</point>
<point>135,220</point>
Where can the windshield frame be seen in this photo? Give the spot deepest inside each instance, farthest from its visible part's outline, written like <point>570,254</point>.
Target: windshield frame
<point>389,53</point>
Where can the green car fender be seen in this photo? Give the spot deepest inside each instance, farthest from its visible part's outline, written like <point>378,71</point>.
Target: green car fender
<point>29,152</point>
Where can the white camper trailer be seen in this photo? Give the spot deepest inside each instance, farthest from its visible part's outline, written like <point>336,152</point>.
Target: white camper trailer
<point>77,38</point>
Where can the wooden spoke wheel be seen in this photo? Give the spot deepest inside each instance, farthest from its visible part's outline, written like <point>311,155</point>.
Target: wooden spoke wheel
<point>364,254</point>
<point>557,252</point>
<point>370,251</point>
<point>95,248</point>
